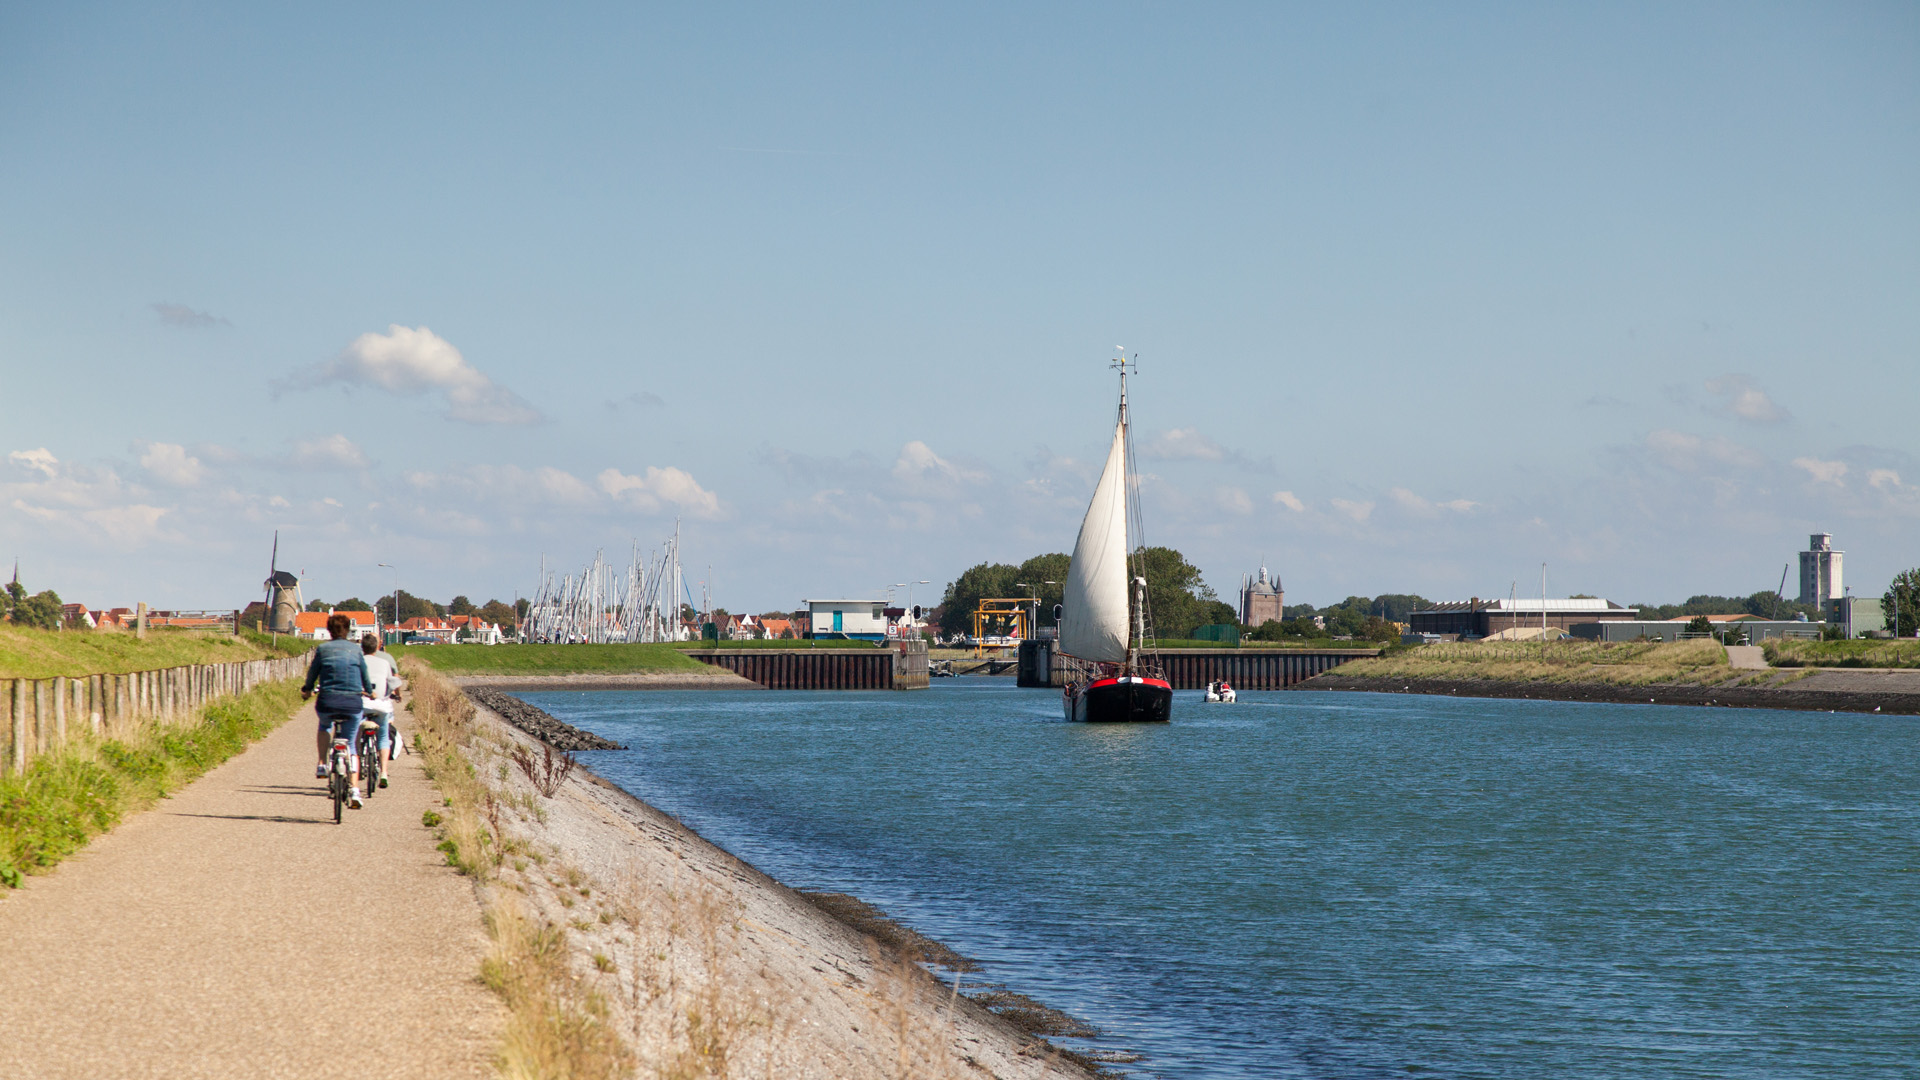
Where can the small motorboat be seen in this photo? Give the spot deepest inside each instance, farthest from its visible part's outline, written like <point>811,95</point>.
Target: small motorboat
<point>1221,692</point>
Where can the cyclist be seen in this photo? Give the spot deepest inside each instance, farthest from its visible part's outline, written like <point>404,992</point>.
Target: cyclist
<point>339,670</point>
<point>379,705</point>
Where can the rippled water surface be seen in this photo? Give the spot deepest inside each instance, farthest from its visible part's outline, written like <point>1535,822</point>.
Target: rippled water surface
<point>1349,885</point>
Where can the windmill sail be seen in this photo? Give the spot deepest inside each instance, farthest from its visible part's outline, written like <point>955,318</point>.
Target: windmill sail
<point>1093,618</point>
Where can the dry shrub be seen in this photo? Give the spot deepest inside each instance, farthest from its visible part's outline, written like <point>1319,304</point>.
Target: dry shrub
<point>548,773</point>
<point>557,1026</point>
<point>689,1001</point>
<point>1618,663</point>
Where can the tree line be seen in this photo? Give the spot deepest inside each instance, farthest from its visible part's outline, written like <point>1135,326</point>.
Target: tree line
<point>1178,600</point>
<point>507,616</point>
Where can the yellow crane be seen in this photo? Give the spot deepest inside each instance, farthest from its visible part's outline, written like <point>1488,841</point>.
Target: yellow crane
<point>1002,617</point>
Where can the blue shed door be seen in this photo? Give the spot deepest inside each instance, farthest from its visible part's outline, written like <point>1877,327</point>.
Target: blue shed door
<point>836,620</point>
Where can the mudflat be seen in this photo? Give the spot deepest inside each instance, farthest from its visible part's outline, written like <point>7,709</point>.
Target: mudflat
<point>716,679</point>
<point>233,930</point>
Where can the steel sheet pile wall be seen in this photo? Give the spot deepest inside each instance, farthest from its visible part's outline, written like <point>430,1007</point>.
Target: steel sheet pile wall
<point>824,669</point>
<point>1251,669</point>
<point>1245,669</point>
<point>40,716</point>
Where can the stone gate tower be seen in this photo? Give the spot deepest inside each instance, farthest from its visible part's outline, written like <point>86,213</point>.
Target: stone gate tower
<point>1260,600</point>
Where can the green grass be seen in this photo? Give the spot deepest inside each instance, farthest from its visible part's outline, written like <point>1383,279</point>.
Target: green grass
<point>1868,653</point>
<point>44,654</point>
<point>1572,661</point>
<point>66,799</point>
<point>1290,643</point>
<point>825,643</point>
<point>552,659</point>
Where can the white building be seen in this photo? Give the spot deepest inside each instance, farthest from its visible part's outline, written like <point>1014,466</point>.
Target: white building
<point>1820,571</point>
<point>862,619</point>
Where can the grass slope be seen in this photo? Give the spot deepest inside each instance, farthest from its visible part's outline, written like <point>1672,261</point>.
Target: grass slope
<point>552,659</point>
<point>44,654</point>
<point>1620,664</point>
<point>66,799</point>
<point>1844,654</point>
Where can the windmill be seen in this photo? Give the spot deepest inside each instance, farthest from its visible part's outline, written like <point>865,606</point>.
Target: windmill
<point>283,593</point>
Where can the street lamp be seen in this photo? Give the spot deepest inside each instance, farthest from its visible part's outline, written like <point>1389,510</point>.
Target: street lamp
<point>396,594</point>
<point>1033,593</point>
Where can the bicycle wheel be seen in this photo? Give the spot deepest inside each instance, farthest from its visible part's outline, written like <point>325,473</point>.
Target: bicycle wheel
<point>338,782</point>
<point>369,763</point>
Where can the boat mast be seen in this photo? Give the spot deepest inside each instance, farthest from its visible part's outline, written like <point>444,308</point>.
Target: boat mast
<point>1139,583</point>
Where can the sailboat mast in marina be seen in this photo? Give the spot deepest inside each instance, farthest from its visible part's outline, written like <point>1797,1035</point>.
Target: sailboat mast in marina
<point>1096,626</point>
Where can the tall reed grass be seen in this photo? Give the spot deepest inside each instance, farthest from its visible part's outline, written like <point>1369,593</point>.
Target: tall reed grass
<point>1567,661</point>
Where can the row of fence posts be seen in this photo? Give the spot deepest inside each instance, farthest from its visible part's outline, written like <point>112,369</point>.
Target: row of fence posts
<point>40,716</point>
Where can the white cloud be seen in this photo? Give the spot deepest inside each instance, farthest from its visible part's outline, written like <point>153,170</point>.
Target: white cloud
<point>1741,398</point>
<point>1358,511</point>
<point>1824,472</point>
<point>1184,444</point>
<point>127,526</point>
<point>659,488</point>
<point>1883,478</point>
<point>415,360</point>
<point>918,462</point>
<point>327,452</point>
<point>182,315</point>
<point>170,463</point>
<point>1418,505</point>
<point>1688,453</point>
<point>1233,500</point>
<point>1290,501</point>
<point>40,460</point>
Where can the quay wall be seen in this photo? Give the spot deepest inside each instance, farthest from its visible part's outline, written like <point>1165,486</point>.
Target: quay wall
<point>1193,669</point>
<point>41,716</point>
<point>900,666</point>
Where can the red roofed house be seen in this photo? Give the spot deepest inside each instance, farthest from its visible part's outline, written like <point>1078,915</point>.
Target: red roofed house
<point>483,632</point>
<point>312,625</point>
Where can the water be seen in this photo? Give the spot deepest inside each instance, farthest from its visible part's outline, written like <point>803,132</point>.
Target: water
<point>1348,885</point>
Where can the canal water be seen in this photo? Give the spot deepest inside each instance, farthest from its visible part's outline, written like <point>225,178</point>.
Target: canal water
<point>1349,885</point>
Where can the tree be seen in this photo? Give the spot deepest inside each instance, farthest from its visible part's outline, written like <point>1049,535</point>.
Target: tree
<point>316,605</point>
<point>1379,629</point>
<point>1036,572</point>
<point>1700,624</point>
<point>460,605</point>
<point>1177,598</point>
<point>1898,603</point>
<point>353,603</point>
<point>966,591</point>
<point>41,610</point>
<point>500,614</point>
<point>411,607</point>
<point>1397,607</point>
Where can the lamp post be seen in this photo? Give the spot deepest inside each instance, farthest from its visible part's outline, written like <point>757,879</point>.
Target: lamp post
<point>396,594</point>
<point>1033,625</point>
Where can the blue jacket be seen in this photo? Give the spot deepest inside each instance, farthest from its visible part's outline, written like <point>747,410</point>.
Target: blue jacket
<point>339,669</point>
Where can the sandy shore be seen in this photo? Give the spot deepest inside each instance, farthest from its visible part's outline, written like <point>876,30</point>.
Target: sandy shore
<point>718,679</point>
<point>1822,690</point>
<point>691,948</point>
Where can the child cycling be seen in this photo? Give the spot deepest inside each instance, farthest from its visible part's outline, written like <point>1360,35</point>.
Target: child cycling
<point>339,671</point>
<point>379,706</point>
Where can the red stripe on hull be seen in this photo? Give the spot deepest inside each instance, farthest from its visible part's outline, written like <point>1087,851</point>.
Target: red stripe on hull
<point>1131,699</point>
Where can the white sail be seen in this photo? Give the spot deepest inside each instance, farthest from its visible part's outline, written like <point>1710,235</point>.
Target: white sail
<point>1093,611</point>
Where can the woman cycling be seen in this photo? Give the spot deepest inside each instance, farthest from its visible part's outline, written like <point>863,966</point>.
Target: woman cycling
<point>340,673</point>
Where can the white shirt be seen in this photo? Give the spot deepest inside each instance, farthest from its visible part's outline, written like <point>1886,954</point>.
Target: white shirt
<point>381,673</point>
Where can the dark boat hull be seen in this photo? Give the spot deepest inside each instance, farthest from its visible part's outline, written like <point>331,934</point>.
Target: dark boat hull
<point>1127,699</point>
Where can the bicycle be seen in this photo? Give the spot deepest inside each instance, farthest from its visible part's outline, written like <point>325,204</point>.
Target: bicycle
<point>368,747</point>
<point>339,768</point>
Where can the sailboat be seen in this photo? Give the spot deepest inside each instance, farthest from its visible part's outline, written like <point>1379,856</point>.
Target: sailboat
<point>1095,625</point>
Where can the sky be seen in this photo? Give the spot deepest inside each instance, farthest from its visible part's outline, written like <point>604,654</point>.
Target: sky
<point>1422,296</point>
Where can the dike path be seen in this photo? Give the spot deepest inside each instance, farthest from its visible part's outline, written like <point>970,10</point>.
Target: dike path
<point>232,930</point>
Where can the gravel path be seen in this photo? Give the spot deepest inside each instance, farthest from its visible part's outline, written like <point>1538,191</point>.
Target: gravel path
<point>234,931</point>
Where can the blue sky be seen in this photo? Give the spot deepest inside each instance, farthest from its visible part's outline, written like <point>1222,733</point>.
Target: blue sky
<point>1424,296</point>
